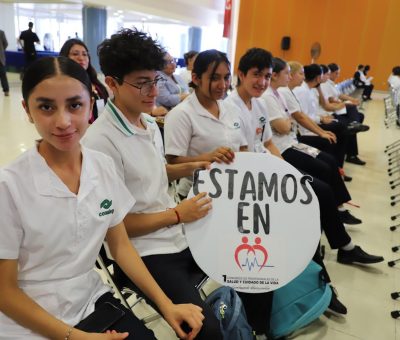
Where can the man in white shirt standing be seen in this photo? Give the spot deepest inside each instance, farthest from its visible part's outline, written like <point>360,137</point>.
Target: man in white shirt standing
<point>130,61</point>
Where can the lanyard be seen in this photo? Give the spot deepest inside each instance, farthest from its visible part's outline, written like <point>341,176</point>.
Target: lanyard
<point>275,92</point>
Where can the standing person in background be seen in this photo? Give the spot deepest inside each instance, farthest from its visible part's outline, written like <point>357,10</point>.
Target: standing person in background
<point>76,50</point>
<point>174,90</point>
<point>186,72</point>
<point>3,74</point>
<point>27,40</point>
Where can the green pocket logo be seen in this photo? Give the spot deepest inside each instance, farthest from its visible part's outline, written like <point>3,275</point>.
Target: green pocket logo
<point>105,204</point>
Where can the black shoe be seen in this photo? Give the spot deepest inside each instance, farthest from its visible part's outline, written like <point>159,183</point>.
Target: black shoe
<point>357,255</point>
<point>357,127</point>
<point>347,178</point>
<point>347,218</point>
<point>355,160</point>
<point>335,306</point>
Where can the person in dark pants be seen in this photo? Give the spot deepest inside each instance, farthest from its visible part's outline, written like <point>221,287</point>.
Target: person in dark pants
<point>125,132</point>
<point>361,81</point>
<point>28,39</point>
<point>3,74</point>
<point>349,116</point>
<point>330,138</point>
<point>327,184</point>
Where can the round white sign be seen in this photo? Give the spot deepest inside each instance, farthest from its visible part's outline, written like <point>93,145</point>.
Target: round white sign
<point>264,226</point>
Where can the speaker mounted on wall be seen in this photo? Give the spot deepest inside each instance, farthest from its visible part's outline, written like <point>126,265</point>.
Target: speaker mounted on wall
<point>285,43</point>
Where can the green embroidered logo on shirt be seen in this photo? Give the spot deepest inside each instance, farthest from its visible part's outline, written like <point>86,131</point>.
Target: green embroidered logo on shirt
<point>106,204</point>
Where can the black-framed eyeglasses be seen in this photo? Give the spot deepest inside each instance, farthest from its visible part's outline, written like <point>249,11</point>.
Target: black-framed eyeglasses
<point>147,86</point>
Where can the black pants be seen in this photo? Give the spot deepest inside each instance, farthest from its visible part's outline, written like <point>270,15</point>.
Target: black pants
<point>320,143</point>
<point>352,115</point>
<point>128,323</point>
<point>342,137</point>
<point>178,274</point>
<point>3,78</point>
<point>334,229</point>
<point>367,91</point>
<point>324,167</point>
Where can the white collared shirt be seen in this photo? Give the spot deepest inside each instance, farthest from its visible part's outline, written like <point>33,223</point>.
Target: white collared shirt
<point>309,102</point>
<point>277,109</point>
<point>330,90</point>
<point>191,130</point>
<point>138,156</point>
<point>254,123</point>
<point>56,235</point>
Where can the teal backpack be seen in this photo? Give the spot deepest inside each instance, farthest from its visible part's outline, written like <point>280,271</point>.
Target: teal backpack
<point>300,302</point>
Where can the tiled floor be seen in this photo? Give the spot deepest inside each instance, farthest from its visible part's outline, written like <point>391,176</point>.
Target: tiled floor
<point>364,290</point>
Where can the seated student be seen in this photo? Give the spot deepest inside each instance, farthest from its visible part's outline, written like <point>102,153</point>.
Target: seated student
<point>321,164</point>
<point>129,61</point>
<point>360,81</point>
<point>333,140</point>
<point>394,78</point>
<point>314,104</point>
<point>254,73</point>
<point>368,80</point>
<point>174,89</point>
<point>206,128</point>
<point>58,201</point>
<point>186,72</point>
<point>76,50</point>
<point>351,117</point>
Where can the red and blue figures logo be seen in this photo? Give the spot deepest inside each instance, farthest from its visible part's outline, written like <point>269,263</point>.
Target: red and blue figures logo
<point>251,257</point>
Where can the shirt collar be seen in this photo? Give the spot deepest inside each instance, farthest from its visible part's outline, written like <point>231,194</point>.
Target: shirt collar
<point>47,183</point>
<point>123,124</point>
<point>200,110</point>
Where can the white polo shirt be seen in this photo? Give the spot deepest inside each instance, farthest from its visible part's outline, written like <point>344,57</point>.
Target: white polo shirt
<point>293,105</point>
<point>309,102</point>
<point>56,235</point>
<point>277,109</point>
<point>138,156</point>
<point>330,90</point>
<point>191,130</point>
<point>254,123</point>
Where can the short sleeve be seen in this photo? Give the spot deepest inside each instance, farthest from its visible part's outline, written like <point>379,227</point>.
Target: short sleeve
<point>301,96</point>
<point>104,144</point>
<point>177,133</point>
<point>292,104</point>
<point>10,224</point>
<point>124,199</point>
<point>273,107</point>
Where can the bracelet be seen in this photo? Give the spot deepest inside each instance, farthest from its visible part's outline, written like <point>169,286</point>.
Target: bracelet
<point>67,336</point>
<point>177,215</point>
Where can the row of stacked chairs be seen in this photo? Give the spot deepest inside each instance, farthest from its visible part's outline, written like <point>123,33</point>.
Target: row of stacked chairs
<point>392,118</point>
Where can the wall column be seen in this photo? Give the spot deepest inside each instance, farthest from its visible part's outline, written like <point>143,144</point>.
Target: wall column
<point>94,30</point>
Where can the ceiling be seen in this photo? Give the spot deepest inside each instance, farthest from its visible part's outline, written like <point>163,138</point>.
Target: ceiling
<point>187,12</point>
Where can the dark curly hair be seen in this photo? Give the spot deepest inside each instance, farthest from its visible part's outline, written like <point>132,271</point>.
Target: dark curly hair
<point>255,57</point>
<point>127,51</point>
